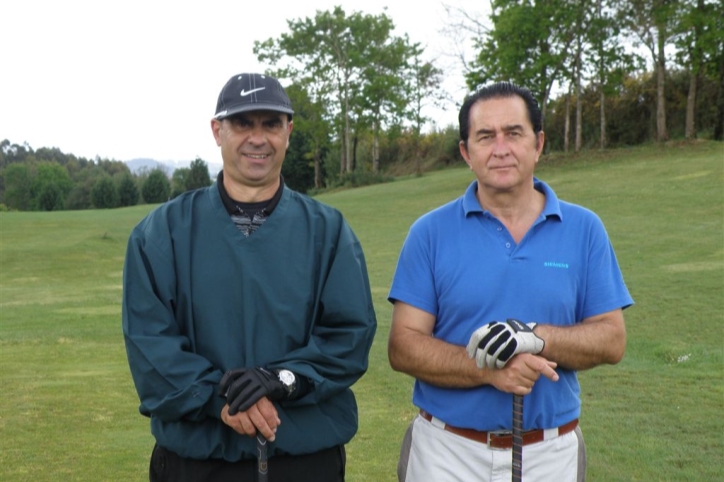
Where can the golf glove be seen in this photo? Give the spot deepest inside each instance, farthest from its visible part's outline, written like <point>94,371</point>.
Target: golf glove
<point>497,342</point>
<point>243,387</point>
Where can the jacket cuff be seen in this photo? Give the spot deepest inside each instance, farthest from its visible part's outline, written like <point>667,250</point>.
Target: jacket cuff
<point>214,406</point>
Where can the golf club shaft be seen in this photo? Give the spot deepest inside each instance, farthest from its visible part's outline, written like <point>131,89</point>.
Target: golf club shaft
<point>263,467</point>
<point>517,438</point>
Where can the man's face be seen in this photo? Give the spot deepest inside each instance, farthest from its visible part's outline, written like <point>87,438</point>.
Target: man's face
<point>253,146</point>
<point>502,149</point>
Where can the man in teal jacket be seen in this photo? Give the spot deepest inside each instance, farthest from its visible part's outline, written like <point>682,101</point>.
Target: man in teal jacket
<point>247,310</point>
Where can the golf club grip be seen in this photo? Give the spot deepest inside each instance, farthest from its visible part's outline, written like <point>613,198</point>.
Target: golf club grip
<point>517,438</point>
<point>263,466</point>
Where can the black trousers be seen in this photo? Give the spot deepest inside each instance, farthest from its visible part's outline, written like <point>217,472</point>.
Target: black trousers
<point>324,466</point>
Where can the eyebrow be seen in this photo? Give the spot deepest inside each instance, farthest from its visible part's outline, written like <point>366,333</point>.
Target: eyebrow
<point>508,128</point>
<point>514,127</point>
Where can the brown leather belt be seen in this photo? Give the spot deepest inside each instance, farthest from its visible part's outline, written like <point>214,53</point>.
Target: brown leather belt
<point>503,440</point>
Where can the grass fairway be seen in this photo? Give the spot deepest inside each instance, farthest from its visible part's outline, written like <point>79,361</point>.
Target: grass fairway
<point>68,410</point>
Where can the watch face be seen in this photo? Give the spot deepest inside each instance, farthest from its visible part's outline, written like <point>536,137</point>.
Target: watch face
<point>287,377</point>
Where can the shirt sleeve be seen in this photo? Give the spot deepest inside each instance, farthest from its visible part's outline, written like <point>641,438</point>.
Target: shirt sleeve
<point>337,352</point>
<point>172,382</point>
<point>605,287</point>
<point>413,282</point>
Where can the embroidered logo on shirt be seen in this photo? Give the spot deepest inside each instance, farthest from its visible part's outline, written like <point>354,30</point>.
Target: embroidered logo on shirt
<point>553,264</point>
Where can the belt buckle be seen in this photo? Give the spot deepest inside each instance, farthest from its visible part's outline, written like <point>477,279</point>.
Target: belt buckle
<point>495,435</point>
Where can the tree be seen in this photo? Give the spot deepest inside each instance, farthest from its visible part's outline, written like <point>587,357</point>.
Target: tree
<point>350,64</point>
<point>700,41</point>
<point>198,175</point>
<point>712,44</point>
<point>84,180</point>
<point>127,191</point>
<point>578,28</point>
<point>383,98</point>
<point>18,178</point>
<point>461,26</point>
<point>424,87</point>
<point>309,142</point>
<point>156,188</point>
<point>50,187</point>
<point>608,57</point>
<point>531,42</point>
<point>652,22</point>
<point>49,198</point>
<point>105,194</point>
<point>178,181</point>
<point>13,152</point>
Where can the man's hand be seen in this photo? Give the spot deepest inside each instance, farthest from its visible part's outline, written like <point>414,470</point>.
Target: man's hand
<point>261,417</point>
<point>494,344</point>
<point>245,386</point>
<point>522,373</point>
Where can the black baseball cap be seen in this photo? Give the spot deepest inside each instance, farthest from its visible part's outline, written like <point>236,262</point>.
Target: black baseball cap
<point>247,92</point>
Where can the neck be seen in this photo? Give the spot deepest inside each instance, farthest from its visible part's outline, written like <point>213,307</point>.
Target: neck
<point>513,202</point>
<point>250,194</point>
<point>517,210</point>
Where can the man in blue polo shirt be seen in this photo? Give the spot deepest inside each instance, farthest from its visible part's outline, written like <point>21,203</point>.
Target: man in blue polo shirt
<point>505,290</point>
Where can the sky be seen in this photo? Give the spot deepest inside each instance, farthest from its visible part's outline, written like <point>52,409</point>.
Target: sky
<point>139,79</point>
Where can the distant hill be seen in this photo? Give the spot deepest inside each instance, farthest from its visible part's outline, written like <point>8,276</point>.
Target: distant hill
<point>143,164</point>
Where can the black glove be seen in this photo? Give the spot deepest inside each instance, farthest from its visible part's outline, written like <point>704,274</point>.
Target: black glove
<point>244,387</point>
<point>230,377</point>
<point>494,344</point>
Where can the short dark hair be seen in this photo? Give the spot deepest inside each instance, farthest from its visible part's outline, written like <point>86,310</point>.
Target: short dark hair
<point>496,91</point>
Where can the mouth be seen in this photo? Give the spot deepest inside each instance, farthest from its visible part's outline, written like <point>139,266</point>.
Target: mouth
<point>256,156</point>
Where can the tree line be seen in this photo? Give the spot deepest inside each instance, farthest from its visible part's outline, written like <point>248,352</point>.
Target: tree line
<point>47,179</point>
<point>360,94</point>
<point>601,47</point>
<point>360,91</point>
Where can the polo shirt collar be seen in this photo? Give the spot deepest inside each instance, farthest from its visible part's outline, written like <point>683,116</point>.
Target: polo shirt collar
<point>551,208</point>
<point>553,205</point>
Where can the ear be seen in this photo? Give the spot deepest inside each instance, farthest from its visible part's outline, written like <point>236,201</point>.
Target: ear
<point>215,128</point>
<point>539,143</point>
<point>290,128</point>
<point>464,153</point>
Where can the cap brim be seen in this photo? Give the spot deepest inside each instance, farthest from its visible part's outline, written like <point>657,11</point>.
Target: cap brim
<point>252,107</point>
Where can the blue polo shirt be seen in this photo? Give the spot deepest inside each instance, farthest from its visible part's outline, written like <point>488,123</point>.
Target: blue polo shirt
<point>461,264</point>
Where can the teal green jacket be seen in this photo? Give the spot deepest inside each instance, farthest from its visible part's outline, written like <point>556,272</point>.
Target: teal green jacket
<point>199,298</point>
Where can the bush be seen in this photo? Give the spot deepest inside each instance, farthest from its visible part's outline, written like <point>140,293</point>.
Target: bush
<point>50,198</point>
<point>157,188</point>
<point>127,191</point>
<point>104,194</point>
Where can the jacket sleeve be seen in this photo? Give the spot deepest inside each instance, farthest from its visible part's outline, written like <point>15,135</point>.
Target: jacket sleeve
<point>172,382</point>
<point>336,355</point>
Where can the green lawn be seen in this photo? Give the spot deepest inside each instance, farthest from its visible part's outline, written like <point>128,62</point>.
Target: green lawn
<point>68,410</point>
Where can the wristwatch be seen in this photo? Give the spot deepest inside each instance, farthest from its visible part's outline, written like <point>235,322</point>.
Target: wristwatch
<point>288,379</point>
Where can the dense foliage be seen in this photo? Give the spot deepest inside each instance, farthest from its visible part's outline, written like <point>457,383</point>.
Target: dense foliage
<point>47,179</point>
<point>359,93</point>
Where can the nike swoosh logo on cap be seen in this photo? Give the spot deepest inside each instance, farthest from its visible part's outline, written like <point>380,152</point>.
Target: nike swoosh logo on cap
<point>245,93</point>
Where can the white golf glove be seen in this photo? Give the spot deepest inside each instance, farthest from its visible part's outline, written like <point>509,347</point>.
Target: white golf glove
<point>497,342</point>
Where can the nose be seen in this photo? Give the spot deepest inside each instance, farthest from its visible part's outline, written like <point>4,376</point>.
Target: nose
<point>257,136</point>
<point>500,146</point>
